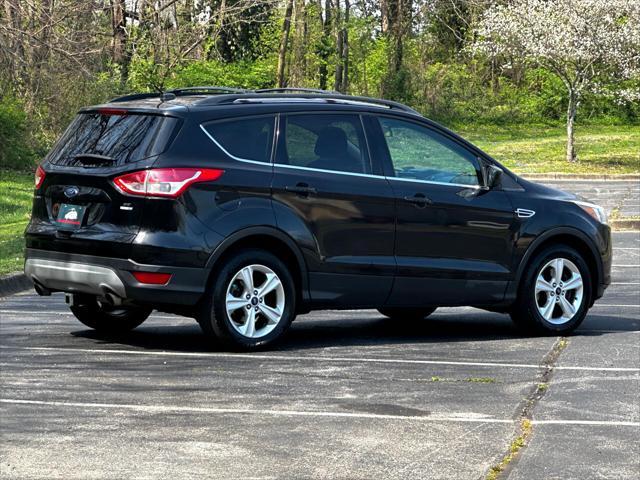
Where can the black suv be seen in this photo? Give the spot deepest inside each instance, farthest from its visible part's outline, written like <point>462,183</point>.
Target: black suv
<point>244,208</point>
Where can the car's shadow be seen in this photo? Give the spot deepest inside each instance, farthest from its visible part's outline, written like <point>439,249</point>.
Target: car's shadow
<point>311,333</point>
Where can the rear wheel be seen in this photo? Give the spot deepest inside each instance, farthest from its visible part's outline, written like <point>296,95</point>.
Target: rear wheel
<point>407,314</point>
<point>251,303</point>
<point>555,292</point>
<point>110,319</point>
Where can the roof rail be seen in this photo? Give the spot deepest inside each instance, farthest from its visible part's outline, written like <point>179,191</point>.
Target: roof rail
<point>294,89</point>
<point>251,97</point>
<point>206,90</point>
<point>228,95</point>
<point>134,96</point>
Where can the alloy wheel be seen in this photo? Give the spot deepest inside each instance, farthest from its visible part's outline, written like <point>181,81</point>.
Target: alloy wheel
<point>559,291</point>
<point>255,301</point>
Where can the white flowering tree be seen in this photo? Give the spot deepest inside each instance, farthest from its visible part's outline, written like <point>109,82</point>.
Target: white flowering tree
<point>588,44</point>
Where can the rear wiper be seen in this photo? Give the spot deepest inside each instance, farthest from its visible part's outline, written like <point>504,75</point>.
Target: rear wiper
<point>93,158</point>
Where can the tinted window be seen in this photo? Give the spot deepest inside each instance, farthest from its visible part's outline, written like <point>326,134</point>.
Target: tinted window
<point>125,138</point>
<point>422,154</point>
<point>246,138</point>
<point>325,141</point>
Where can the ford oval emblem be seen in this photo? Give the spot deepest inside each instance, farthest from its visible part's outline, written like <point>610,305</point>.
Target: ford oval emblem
<point>71,192</point>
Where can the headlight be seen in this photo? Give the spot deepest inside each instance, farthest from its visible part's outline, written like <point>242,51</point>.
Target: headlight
<point>596,211</point>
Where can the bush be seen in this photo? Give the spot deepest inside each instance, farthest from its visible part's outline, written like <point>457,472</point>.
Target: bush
<point>16,149</point>
<point>144,75</point>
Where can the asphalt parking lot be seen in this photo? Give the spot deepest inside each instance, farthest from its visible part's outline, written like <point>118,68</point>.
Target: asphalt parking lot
<point>346,395</point>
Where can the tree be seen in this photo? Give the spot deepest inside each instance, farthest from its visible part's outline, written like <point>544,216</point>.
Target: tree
<point>323,48</point>
<point>342,48</point>
<point>397,16</point>
<point>284,42</point>
<point>585,43</point>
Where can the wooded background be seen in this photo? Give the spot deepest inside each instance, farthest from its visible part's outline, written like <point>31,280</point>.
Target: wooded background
<point>437,56</point>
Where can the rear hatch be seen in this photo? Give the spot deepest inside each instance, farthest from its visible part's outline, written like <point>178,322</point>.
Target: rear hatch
<point>78,209</point>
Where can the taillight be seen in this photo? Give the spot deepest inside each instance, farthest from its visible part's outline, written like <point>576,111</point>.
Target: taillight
<point>164,182</point>
<point>39,177</point>
<point>152,278</point>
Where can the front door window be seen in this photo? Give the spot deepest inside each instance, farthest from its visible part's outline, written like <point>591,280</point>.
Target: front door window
<point>419,153</point>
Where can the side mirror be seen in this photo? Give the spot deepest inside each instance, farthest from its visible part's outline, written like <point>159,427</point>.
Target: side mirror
<point>492,176</point>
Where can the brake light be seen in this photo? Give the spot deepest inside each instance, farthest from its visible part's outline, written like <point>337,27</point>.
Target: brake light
<point>112,111</point>
<point>39,177</point>
<point>152,278</point>
<point>164,182</point>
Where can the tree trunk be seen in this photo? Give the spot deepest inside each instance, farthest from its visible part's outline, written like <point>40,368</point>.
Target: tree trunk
<point>345,49</point>
<point>297,69</point>
<point>384,16</point>
<point>284,40</point>
<point>399,16</point>
<point>572,109</point>
<point>323,47</point>
<point>337,84</point>
<point>118,30</point>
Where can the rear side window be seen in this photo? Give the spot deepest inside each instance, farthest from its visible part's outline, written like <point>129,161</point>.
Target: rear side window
<point>245,138</point>
<point>123,138</point>
<point>326,142</point>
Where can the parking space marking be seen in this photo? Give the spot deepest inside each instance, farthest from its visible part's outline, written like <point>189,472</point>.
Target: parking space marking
<point>612,423</point>
<point>316,358</point>
<point>590,330</point>
<point>465,417</point>
<point>616,305</point>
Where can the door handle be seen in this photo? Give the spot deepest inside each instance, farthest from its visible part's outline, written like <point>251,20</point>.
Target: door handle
<point>302,189</point>
<point>419,200</point>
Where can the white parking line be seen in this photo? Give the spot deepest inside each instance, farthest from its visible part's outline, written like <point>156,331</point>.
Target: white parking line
<point>315,358</point>
<point>590,330</point>
<point>613,423</point>
<point>465,417</point>
<point>616,305</point>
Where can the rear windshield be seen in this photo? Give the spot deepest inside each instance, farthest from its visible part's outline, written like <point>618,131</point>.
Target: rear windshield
<point>123,138</point>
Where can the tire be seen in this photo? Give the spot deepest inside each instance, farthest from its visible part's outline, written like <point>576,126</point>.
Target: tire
<point>223,313</point>
<point>407,314</point>
<point>534,312</point>
<point>109,319</point>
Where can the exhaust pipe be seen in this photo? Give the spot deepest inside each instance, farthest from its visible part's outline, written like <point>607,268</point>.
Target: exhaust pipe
<point>112,299</point>
<point>41,289</point>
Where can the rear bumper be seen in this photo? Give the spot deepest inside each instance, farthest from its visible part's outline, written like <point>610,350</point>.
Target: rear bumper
<point>72,273</point>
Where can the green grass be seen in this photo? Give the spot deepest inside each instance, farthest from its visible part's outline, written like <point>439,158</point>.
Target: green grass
<point>601,149</point>
<point>16,191</point>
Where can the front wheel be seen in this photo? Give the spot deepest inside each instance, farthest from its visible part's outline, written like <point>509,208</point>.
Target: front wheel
<point>404,314</point>
<point>251,302</point>
<point>555,293</point>
<point>104,318</point>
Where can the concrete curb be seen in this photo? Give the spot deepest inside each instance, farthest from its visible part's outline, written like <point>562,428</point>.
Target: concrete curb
<point>623,177</point>
<point>625,224</point>
<point>14,283</point>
